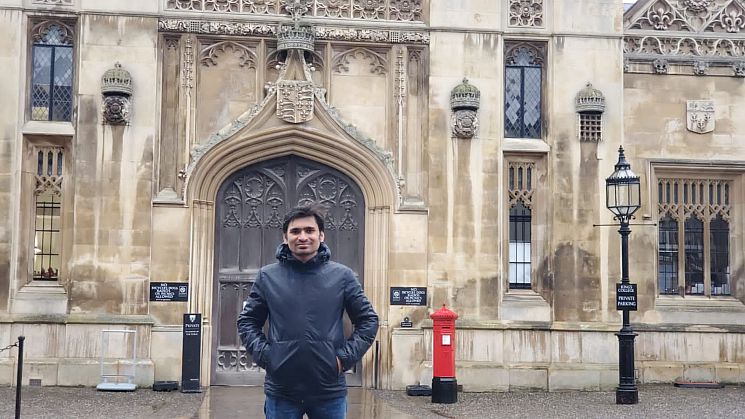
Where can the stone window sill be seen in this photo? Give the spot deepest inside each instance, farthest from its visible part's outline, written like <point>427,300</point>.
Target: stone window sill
<point>530,145</point>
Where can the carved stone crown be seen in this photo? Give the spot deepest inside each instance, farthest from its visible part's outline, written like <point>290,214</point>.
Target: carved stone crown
<point>590,100</point>
<point>295,36</point>
<point>116,81</point>
<point>465,96</point>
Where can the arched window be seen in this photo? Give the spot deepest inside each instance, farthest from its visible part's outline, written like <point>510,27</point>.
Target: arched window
<point>523,79</point>
<point>52,75</point>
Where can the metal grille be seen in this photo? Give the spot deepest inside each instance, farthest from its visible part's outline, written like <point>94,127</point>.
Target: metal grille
<point>520,220</point>
<point>47,238</point>
<point>51,80</point>
<point>590,127</point>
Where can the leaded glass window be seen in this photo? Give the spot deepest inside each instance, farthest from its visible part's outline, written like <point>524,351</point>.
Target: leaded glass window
<point>48,208</point>
<point>520,185</point>
<point>667,257</point>
<point>52,74</point>
<point>523,89</point>
<point>695,212</point>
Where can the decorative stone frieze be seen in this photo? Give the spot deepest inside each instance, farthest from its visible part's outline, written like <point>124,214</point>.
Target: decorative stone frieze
<point>465,99</point>
<point>395,10</point>
<point>526,13</point>
<point>703,37</point>
<point>116,87</point>
<point>700,116</point>
<point>54,2</point>
<point>321,32</point>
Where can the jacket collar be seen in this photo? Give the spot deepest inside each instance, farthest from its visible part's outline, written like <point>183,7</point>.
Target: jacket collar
<point>284,255</point>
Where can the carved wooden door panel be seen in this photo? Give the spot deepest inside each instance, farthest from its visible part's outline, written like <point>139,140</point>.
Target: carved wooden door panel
<point>248,227</point>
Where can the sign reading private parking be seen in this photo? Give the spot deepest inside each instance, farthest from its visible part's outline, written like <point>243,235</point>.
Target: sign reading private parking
<point>626,297</point>
<point>169,291</point>
<point>408,296</point>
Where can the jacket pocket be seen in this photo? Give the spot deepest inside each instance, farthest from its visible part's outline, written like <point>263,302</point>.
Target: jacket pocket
<point>284,361</point>
<point>324,358</point>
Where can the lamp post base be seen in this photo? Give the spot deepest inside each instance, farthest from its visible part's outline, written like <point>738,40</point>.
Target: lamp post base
<point>624,396</point>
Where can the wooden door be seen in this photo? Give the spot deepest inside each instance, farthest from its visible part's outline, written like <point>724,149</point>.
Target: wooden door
<point>250,206</point>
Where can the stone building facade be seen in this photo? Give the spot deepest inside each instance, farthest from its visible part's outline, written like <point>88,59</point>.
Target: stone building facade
<point>460,147</point>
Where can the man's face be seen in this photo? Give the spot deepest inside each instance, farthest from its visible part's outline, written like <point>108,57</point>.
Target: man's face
<point>303,238</point>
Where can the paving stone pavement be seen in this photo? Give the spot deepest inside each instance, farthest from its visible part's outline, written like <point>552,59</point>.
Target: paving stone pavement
<point>659,401</point>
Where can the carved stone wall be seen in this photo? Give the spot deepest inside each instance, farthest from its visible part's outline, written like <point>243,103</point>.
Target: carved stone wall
<point>700,37</point>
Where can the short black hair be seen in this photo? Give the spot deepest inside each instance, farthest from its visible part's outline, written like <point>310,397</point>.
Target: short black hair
<point>302,211</point>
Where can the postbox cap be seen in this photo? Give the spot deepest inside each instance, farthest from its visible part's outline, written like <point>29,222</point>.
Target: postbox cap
<point>444,314</point>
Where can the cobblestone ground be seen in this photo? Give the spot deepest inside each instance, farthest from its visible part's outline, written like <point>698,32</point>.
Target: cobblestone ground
<point>659,401</point>
<point>662,401</point>
<point>88,403</point>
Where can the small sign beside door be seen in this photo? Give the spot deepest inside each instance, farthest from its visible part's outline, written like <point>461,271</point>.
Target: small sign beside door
<point>408,296</point>
<point>169,291</point>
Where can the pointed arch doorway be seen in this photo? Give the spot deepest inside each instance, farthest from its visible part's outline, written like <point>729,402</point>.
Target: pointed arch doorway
<point>249,208</point>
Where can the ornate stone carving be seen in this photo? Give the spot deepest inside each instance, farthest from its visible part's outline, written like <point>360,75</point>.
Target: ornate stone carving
<point>378,63</point>
<point>520,183</point>
<point>321,32</point>
<point>731,19</point>
<point>406,10</point>
<point>332,8</point>
<point>54,2</point>
<point>739,68</point>
<point>368,9</point>
<point>246,57</point>
<point>526,13</point>
<point>116,110</point>
<point>660,66</point>
<point>687,32</point>
<point>116,87</point>
<point>700,116</point>
<point>50,162</point>
<point>187,69</point>
<point>396,10</point>
<point>590,99</point>
<point>465,123</point>
<point>700,68</point>
<point>295,101</point>
<point>464,101</point>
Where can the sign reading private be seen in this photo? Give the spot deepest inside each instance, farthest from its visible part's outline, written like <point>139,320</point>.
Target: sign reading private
<point>169,291</point>
<point>191,353</point>
<point>408,296</point>
<point>626,297</point>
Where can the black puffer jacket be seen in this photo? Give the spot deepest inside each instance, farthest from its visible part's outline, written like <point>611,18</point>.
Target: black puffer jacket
<point>304,303</point>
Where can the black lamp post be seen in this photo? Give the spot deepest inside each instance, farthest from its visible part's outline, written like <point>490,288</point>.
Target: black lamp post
<point>623,200</point>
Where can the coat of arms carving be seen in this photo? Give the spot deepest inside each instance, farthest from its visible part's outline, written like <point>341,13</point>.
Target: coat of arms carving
<point>295,101</point>
<point>700,116</point>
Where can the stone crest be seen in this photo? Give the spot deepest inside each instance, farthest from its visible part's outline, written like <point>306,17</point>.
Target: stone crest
<point>700,116</point>
<point>295,100</point>
<point>465,123</point>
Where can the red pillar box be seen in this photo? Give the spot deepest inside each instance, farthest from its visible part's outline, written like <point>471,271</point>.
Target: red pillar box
<point>444,384</point>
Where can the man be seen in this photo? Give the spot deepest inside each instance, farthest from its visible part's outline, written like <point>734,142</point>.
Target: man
<point>304,296</point>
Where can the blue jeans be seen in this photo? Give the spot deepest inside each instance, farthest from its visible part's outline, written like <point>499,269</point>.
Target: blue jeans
<point>277,408</point>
